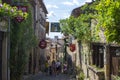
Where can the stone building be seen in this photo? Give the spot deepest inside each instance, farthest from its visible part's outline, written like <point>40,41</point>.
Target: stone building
<point>37,55</point>
<point>40,31</point>
<point>98,59</point>
<point>54,50</point>
<point>54,40</point>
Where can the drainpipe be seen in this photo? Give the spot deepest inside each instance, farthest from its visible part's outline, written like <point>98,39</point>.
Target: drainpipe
<point>8,50</point>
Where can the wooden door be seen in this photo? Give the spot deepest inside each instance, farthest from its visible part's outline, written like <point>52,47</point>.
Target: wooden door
<point>115,66</point>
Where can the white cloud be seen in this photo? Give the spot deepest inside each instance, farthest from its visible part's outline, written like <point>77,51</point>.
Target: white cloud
<point>82,3</point>
<point>68,3</point>
<point>76,2</point>
<point>66,15</point>
<point>51,6</point>
<point>88,0</point>
<point>51,13</point>
<point>73,2</point>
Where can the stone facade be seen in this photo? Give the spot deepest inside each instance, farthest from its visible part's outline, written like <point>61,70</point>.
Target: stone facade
<point>40,31</point>
<point>37,55</point>
<point>97,57</point>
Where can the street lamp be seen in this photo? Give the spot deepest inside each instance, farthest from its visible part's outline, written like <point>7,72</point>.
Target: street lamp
<point>65,47</point>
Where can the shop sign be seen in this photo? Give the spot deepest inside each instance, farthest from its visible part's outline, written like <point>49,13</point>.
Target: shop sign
<point>72,47</point>
<point>42,44</point>
<point>24,9</point>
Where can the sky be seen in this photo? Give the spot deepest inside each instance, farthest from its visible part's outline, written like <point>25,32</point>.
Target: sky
<point>61,9</point>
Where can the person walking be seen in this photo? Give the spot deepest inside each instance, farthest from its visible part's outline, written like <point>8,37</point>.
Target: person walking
<point>46,67</point>
<point>53,67</point>
<point>65,67</point>
<point>58,67</point>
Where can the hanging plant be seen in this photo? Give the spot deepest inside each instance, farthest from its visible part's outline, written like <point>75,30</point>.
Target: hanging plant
<point>7,10</point>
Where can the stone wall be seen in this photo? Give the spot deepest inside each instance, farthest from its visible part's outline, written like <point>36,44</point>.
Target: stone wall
<point>95,74</point>
<point>36,56</point>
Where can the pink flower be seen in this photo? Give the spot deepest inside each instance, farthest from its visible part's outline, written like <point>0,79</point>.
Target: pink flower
<point>12,10</point>
<point>1,5</point>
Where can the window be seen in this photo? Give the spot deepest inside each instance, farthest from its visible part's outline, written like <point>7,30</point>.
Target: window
<point>115,60</point>
<point>98,56</point>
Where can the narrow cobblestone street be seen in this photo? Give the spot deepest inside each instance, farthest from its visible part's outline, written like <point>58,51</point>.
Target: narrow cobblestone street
<point>43,76</point>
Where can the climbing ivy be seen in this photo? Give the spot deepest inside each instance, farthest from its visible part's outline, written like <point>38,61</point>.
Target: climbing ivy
<point>105,12</point>
<point>22,40</point>
<point>64,26</point>
<point>80,27</point>
<point>108,19</point>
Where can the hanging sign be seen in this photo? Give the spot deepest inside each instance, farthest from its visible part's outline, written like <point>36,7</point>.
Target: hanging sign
<point>72,47</point>
<point>24,9</point>
<point>42,44</point>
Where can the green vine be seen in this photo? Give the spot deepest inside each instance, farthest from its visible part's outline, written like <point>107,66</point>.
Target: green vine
<point>80,27</point>
<point>22,41</point>
<point>108,19</point>
<point>106,15</point>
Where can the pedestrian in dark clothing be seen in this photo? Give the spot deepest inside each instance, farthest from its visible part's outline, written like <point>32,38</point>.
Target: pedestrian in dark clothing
<point>54,67</point>
<point>46,66</point>
<point>58,66</point>
<point>65,68</point>
<point>50,70</point>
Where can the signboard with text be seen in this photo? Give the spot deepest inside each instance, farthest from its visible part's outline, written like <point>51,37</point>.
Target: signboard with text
<point>42,44</point>
<point>55,27</point>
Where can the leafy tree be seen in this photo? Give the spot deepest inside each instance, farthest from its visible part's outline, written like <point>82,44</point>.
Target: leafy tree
<point>64,26</point>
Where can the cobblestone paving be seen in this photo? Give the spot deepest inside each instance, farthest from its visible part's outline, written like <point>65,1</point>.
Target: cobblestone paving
<point>42,76</point>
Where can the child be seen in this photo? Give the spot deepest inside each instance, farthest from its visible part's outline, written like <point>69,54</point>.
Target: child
<point>65,68</point>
